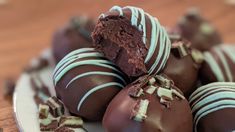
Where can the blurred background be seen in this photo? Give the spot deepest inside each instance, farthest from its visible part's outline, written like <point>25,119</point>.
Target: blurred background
<point>26,28</point>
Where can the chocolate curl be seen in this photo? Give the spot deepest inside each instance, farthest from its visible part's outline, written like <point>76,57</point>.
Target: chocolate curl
<point>140,110</point>
<point>71,121</point>
<point>179,49</point>
<point>56,106</point>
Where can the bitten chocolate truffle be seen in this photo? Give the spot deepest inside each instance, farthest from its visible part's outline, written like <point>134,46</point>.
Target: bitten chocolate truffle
<point>150,104</point>
<point>74,35</point>
<point>219,65</point>
<point>213,107</point>
<point>86,82</point>
<point>134,40</point>
<point>198,30</point>
<point>183,66</point>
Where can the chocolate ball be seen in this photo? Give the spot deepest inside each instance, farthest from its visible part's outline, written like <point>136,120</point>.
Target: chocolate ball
<point>213,107</point>
<point>198,30</point>
<point>219,65</point>
<point>150,104</point>
<point>74,35</point>
<point>132,39</point>
<point>183,66</point>
<point>86,82</point>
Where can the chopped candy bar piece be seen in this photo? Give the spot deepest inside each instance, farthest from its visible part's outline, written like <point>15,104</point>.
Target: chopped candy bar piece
<point>48,124</point>
<point>163,92</point>
<point>180,49</point>
<point>197,56</point>
<point>164,82</point>
<point>43,111</point>
<point>136,92</point>
<point>152,81</point>
<point>56,106</point>
<point>142,107</point>
<point>151,89</point>
<point>71,121</point>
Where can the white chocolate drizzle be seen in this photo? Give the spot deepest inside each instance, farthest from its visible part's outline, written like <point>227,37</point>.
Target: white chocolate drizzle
<point>210,98</point>
<point>217,67</point>
<point>88,57</point>
<point>158,36</point>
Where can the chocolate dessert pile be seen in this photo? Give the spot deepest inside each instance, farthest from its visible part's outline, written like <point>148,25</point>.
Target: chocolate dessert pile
<point>132,74</point>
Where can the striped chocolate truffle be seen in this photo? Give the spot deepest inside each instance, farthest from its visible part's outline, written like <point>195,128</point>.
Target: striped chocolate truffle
<point>85,82</point>
<point>219,65</point>
<point>150,104</point>
<point>132,39</point>
<point>213,107</point>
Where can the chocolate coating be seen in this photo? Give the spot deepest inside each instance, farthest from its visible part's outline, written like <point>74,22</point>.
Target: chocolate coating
<point>219,65</point>
<point>213,107</point>
<point>132,39</point>
<point>74,35</point>
<point>182,67</point>
<point>139,108</point>
<point>86,82</point>
<point>198,31</point>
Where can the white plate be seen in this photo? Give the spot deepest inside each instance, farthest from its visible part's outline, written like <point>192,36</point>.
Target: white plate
<point>25,109</point>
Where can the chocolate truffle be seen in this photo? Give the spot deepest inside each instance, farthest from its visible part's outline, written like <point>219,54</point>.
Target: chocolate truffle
<point>213,107</point>
<point>199,31</point>
<point>219,65</point>
<point>86,82</point>
<point>150,104</point>
<point>183,66</point>
<point>133,40</point>
<point>74,35</point>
